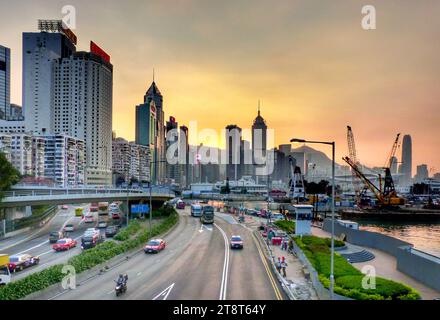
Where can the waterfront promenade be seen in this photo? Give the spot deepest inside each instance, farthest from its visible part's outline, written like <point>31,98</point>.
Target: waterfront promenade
<point>386,266</point>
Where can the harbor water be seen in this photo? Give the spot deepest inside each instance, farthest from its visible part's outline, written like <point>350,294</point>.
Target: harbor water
<point>424,236</point>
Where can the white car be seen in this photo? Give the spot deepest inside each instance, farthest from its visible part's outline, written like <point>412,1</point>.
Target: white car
<point>69,228</point>
<point>89,219</point>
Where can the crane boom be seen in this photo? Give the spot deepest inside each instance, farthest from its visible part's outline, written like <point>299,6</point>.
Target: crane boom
<point>353,158</point>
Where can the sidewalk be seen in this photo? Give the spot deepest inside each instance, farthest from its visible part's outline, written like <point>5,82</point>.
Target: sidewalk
<point>386,267</point>
<point>298,283</point>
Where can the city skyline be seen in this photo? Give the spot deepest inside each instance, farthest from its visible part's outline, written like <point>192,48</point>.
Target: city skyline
<point>311,84</point>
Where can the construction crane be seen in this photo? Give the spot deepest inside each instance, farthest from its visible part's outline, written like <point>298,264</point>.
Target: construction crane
<point>354,159</point>
<point>389,189</point>
<point>384,200</point>
<point>296,184</point>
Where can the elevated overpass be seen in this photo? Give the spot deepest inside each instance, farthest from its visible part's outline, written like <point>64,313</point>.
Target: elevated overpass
<point>31,196</point>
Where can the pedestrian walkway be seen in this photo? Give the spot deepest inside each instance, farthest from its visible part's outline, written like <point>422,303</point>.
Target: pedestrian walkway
<point>386,267</point>
<point>299,285</point>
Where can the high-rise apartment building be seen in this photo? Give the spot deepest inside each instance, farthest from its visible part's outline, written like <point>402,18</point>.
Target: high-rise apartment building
<point>39,51</point>
<point>64,159</point>
<point>131,162</point>
<point>82,108</point>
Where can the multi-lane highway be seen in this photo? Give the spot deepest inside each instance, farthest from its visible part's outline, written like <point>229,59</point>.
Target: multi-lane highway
<point>38,244</point>
<point>197,264</point>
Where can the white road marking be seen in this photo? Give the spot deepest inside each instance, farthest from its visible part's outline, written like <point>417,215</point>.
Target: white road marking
<point>139,273</point>
<point>34,247</point>
<point>204,227</point>
<point>164,293</point>
<point>224,284</point>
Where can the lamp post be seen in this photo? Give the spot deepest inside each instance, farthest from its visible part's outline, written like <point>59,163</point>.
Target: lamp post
<point>332,262</point>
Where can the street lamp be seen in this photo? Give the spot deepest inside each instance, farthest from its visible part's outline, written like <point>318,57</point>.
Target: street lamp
<point>332,262</point>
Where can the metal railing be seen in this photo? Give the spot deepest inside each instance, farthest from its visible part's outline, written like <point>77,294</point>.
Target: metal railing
<point>85,191</point>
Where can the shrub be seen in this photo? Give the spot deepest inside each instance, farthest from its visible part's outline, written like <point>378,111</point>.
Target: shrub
<point>286,225</point>
<point>133,227</point>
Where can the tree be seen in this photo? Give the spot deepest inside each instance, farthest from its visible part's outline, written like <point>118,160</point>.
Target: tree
<point>8,175</point>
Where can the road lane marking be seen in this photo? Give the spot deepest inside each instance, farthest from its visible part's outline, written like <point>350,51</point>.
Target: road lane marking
<point>266,266</point>
<point>164,293</point>
<point>204,227</point>
<point>34,247</point>
<point>224,283</point>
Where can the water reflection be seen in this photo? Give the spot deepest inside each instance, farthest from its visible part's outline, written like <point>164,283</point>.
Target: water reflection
<point>425,237</point>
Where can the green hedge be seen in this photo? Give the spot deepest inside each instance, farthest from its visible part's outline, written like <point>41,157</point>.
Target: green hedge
<point>348,279</point>
<point>286,225</point>
<point>82,262</point>
<point>133,227</point>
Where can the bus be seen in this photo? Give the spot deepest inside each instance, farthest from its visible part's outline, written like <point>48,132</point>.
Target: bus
<point>207,215</point>
<point>196,210</point>
<point>79,212</point>
<point>103,208</point>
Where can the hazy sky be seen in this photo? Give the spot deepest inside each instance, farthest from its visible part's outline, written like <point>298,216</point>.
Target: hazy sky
<point>310,62</point>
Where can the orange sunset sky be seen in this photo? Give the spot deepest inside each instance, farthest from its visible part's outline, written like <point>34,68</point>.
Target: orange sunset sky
<point>310,63</point>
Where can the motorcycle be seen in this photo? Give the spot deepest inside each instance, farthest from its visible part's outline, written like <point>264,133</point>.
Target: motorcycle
<point>120,288</point>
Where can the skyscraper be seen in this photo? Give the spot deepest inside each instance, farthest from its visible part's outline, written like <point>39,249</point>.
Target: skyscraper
<point>5,83</point>
<point>172,138</point>
<point>406,167</point>
<point>184,167</point>
<point>146,132</point>
<point>82,108</point>
<point>233,151</point>
<point>422,173</point>
<point>259,139</point>
<point>39,51</point>
<point>153,94</point>
<point>259,144</point>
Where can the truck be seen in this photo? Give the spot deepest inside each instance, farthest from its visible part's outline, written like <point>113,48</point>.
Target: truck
<point>103,208</point>
<point>5,274</point>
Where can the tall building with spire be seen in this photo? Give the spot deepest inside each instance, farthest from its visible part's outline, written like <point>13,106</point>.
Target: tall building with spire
<point>150,119</point>
<point>259,139</point>
<point>406,167</point>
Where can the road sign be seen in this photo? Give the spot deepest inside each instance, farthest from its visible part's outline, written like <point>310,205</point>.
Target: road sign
<point>140,208</point>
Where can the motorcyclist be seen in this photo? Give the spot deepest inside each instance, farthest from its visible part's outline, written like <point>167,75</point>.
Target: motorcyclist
<point>122,280</point>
